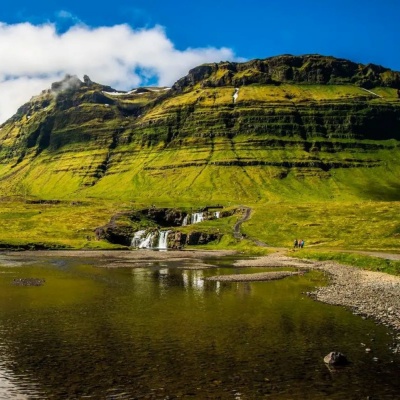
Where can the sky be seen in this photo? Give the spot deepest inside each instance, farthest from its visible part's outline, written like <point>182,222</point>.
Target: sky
<point>131,43</point>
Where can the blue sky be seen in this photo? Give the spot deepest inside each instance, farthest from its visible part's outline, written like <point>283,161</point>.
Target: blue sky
<point>364,31</point>
<point>131,43</point>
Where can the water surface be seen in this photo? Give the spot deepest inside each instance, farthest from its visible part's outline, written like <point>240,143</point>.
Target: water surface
<point>163,332</point>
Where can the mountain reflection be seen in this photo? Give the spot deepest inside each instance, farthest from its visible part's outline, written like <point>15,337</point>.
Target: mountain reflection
<point>193,280</point>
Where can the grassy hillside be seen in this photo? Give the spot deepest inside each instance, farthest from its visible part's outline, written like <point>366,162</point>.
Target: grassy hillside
<point>286,142</point>
<point>304,141</point>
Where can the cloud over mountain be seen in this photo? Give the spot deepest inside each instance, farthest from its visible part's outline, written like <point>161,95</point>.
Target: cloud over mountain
<point>34,56</point>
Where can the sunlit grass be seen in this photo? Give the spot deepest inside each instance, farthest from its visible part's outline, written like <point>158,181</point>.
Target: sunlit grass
<point>345,225</point>
<point>369,263</point>
<point>372,226</point>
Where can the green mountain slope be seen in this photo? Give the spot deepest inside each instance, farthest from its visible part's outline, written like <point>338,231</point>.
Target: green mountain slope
<point>287,128</point>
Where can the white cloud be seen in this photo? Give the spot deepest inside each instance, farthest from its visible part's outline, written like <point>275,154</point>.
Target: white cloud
<point>34,56</point>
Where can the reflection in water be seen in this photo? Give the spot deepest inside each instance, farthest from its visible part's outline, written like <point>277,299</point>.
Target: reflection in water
<point>165,332</point>
<point>8,390</point>
<point>193,279</point>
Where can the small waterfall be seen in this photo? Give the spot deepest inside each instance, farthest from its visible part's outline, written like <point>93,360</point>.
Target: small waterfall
<point>163,240</point>
<point>185,220</point>
<point>235,95</point>
<point>217,214</point>
<point>197,217</point>
<point>137,238</point>
<point>148,242</point>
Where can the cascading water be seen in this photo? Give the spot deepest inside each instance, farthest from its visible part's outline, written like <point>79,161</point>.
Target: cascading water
<point>196,218</point>
<point>217,214</point>
<point>147,243</point>
<point>163,240</point>
<point>235,95</point>
<point>137,238</point>
<point>185,220</point>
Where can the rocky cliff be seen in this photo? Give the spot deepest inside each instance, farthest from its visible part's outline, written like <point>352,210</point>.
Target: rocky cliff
<point>309,69</point>
<point>280,128</point>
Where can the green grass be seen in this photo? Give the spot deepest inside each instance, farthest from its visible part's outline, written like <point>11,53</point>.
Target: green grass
<point>369,263</point>
<point>335,225</point>
<point>67,224</point>
<point>198,148</point>
<point>368,226</point>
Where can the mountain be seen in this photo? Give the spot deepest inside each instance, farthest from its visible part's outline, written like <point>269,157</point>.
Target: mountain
<point>284,128</point>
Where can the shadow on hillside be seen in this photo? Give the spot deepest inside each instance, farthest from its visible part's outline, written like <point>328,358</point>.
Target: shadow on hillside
<point>378,192</point>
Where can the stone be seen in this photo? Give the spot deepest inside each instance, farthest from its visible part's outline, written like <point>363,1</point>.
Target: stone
<point>335,358</point>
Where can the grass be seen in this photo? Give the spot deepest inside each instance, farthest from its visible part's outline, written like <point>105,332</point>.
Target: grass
<point>175,150</point>
<point>369,263</point>
<point>368,226</point>
<point>199,148</point>
<point>372,226</point>
<point>67,224</point>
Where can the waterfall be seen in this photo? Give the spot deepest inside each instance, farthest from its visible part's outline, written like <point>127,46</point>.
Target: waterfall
<point>197,217</point>
<point>217,214</point>
<point>235,95</point>
<point>148,242</point>
<point>163,240</point>
<point>137,238</point>
<point>185,220</point>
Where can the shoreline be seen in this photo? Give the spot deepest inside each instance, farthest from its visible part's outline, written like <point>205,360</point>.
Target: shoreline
<point>374,295</point>
<point>371,294</point>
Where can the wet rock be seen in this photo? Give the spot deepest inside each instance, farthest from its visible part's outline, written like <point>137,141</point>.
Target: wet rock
<point>195,238</point>
<point>335,358</point>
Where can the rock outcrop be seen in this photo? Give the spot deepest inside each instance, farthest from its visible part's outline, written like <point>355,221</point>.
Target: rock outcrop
<point>122,227</point>
<point>308,69</point>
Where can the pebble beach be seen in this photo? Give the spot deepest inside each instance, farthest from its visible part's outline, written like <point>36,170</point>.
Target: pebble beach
<point>371,294</point>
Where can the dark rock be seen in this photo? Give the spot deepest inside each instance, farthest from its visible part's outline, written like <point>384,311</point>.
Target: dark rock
<point>165,217</point>
<point>196,238</point>
<point>70,82</point>
<point>335,358</point>
<point>116,234</point>
<point>307,69</point>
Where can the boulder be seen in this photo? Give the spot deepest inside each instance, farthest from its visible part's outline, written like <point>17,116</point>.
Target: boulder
<point>335,358</point>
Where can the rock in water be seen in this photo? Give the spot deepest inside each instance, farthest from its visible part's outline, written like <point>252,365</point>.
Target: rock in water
<point>28,282</point>
<point>335,358</point>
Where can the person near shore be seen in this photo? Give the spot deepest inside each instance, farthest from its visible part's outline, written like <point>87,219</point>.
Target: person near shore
<point>296,243</point>
<point>301,243</point>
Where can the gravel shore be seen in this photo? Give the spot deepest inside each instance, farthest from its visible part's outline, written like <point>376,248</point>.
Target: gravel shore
<point>263,276</point>
<point>191,259</point>
<point>122,254</point>
<point>372,294</point>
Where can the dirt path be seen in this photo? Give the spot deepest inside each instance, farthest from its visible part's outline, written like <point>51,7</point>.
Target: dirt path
<point>236,229</point>
<point>246,216</point>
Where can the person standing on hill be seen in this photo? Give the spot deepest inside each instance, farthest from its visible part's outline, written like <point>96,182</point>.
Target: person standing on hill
<point>296,243</point>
